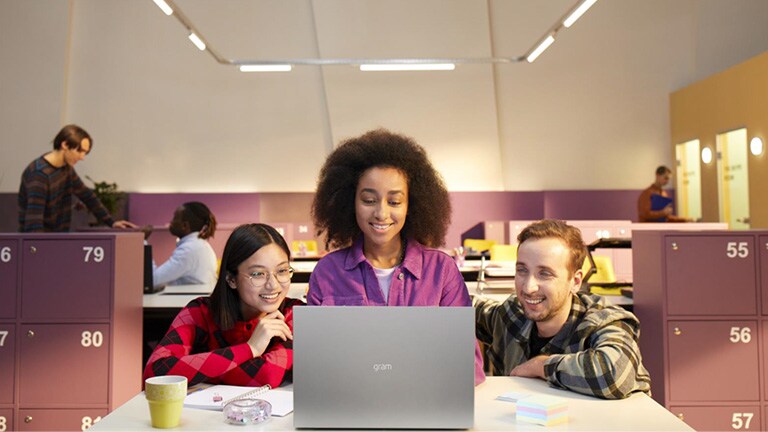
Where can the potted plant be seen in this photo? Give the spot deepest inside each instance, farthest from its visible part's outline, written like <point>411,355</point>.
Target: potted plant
<point>110,197</point>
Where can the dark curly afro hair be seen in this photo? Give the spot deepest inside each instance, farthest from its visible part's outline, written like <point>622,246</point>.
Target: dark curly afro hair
<point>333,208</point>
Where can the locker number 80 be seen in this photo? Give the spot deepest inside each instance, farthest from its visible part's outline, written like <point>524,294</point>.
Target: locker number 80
<point>88,339</point>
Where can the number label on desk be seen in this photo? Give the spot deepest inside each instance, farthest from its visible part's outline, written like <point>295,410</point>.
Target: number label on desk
<point>737,249</point>
<point>89,339</point>
<point>741,420</point>
<point>96,251</point>
<point>5,254</point>
<point>741,334</point>
<point>87,422</point>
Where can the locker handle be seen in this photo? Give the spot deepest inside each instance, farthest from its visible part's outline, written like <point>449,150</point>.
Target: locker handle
<point>677,331</point>
<point>30,333</point>
<point>28,419</point>
<point>33,249</point>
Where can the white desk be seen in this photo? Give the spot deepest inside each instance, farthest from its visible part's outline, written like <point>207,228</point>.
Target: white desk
<point>636,413</point>
<point>176,297</point>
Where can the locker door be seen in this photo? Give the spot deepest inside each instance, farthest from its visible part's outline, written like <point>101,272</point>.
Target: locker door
<point>712,275</point>
<point>9,264</point>
<point>77,374</point>
<point>66,278</point>
<point>713,361</point>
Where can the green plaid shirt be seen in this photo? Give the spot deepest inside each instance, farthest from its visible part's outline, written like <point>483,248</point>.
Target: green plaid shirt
<point>595,353</point>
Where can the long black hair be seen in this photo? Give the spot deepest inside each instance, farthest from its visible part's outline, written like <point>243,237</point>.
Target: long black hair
<point>244,241</point>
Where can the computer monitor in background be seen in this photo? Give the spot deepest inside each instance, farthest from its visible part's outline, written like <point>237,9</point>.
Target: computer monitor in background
<point>149,283</point>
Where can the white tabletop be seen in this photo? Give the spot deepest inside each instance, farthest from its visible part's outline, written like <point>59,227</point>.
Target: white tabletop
<point>176,297</point>
<point>636,413</point>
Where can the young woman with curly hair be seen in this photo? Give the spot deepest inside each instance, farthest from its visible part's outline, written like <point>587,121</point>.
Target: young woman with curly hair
<point>383,206</point>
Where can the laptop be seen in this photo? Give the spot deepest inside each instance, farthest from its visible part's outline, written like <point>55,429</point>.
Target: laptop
<point>149,283</point>
<point>373,367</point>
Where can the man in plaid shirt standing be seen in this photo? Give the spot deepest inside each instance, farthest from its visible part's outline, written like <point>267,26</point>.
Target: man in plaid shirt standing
<point>547,329</point>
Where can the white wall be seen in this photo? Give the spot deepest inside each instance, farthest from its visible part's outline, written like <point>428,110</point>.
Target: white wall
<point>591,113</point>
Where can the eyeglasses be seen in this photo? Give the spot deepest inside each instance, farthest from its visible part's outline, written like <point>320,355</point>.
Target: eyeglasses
<point>259,278</point>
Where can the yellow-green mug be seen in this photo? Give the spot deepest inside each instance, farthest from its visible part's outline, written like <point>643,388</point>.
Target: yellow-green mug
<point>165,395</point>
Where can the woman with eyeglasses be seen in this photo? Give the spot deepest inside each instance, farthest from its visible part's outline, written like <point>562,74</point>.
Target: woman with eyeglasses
<point>382,204</point>
<point>243,333</point>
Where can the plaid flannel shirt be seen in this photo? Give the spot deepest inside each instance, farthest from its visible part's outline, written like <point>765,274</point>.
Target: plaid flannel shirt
<point>595,352</point>
<point>195,347</point>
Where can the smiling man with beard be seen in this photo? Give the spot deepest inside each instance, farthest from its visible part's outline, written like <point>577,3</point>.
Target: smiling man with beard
<point>549,330</point>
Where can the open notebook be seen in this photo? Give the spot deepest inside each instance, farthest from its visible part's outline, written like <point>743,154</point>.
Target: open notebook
<point>215,397</point>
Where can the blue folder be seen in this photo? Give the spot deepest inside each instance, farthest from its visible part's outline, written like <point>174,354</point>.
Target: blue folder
<point>658,202</point>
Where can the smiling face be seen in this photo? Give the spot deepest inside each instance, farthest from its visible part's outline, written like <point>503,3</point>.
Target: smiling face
<point>543,283</point>
<point>381,205</point>
<point>266,263</point>
<point>74,155</point>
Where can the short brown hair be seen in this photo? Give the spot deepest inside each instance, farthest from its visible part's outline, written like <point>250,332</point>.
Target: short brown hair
<point>73,135</point>
<point>552,228</point>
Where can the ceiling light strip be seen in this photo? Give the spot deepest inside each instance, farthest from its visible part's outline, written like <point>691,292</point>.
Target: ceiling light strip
<point>197,41</point>
<point>406,64</point>
<point>549,40</point>
<point>407,67</point>
<point>265,68</point>
<point>163,6</point>
<point>578,12</point>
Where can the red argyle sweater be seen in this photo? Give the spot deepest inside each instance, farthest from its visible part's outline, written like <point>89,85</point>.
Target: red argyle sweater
<point>195,347</point>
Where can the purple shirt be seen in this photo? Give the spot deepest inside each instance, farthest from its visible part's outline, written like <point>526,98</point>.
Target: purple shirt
<point>427,277</point>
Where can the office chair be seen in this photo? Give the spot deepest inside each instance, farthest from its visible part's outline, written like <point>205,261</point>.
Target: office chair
<point>478,245</point>
<point>602,279</point>
<point>503,252</point>
<point>310,247</point>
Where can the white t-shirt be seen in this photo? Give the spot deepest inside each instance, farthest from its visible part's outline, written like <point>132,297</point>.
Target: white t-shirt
<point>384,276</point>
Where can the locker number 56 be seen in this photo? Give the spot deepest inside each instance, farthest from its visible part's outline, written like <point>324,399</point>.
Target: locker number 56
<point>741,334</point>
<point>737,249</point>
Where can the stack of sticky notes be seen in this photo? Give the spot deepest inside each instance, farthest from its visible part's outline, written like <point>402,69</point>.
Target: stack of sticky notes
<point>542,410</point>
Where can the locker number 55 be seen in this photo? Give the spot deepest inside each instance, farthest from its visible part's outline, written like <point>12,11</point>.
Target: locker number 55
<point>737,249</point>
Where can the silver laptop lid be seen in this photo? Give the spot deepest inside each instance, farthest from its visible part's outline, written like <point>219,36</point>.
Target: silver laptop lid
<point>383,367</point>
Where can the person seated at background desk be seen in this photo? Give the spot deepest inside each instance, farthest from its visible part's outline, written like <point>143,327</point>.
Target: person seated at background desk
<point>193,261</point>
<point>645,211</point>
<point>243,333</point>
<point>549,330</point>
<point>48,183</point>
<point>381,200</point>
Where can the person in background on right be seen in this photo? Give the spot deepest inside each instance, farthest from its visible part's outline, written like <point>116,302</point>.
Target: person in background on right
<point>193,261</point>
<point>547,329</point>
<point>645,210</point>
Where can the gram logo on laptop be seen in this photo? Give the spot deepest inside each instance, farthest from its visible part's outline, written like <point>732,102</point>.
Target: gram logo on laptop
<point>368,367</point>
